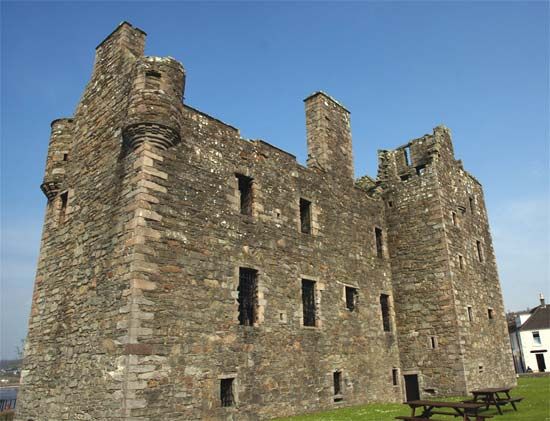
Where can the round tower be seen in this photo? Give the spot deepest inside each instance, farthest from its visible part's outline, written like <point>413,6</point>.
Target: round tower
<point>155,104</point>
<point>58,156</point>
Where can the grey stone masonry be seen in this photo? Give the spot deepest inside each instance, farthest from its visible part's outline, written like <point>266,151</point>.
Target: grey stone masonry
<point>186,273</point>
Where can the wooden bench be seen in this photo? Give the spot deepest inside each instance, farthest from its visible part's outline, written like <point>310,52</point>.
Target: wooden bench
<point>408,418</point>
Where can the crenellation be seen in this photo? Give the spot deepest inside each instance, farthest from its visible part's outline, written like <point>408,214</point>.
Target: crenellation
<point>136,308</point>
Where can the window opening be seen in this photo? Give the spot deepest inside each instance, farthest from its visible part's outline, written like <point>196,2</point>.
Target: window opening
<point>490,313</point>
<point>247,296</point>
<point>226,392</point>
<point>407,155</point>
<point>64,198</point>
<point>152,79</point>
<point>351,298</point>
<point>308,302</point>
<point>480,369</point>
<point>337,382</point>
<point>536,338</point>
<point>405,177</point>
<point>460,262</point>
<point>455,219</point>
<point>245,193</point>
<point>379,242</point>
<point>471,200</point>
<point>65,157</point>
<point>395,376</point>
<point>305,216</point>
<point>479,251</point>
<point>385,308</point>
<point>421,169</point>
<point>433,342</point>
<point>470,314</point>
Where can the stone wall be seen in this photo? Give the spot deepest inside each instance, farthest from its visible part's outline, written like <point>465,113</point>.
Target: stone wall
<point>136,306</point>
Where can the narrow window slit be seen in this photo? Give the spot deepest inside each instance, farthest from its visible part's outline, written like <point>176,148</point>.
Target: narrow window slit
<point>379,242</point>
<point>248,302</point>
<point>245,193</point>
<point>337,383</point>
<point>305,216</point>
<point>395,376</point>
<point>308,302</point>
<point>385,308</point>
<point>64,200</point>
<point>479,251</point>
<point>470,314</point>
<point>351,298</point>
<point>490,313</point>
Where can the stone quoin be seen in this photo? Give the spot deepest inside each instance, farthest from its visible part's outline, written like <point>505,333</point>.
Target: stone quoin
<point>186,273</point>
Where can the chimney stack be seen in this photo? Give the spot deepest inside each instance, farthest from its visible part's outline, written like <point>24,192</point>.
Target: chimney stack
<point>541,298</point>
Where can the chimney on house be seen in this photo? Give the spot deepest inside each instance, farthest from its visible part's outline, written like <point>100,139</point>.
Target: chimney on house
<point>541,298</point>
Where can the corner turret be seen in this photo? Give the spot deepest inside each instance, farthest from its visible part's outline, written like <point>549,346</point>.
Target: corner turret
<point>58,155</point>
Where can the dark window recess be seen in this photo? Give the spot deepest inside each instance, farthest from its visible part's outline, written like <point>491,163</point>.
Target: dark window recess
<point>455,220</point>
<point>480,369</point>
<point>404,177</point>
<point>461,262</point>
<point>390,204</point>
<point>337,381</point>
<point>308,302</point>
<point>64,198</point>
<point>395,376</point>
<point>351,298</point>
<point>470,314</point>
<point>226,392</point>
<point>65,157</point>
<point>385,307</point>
<point>247,296</point>
<point>490,313</point>
<point>479,251</point>
<point>152,79</point>
<point>379,242</point>
<point>471,200</point>
<point>433,342</point>
<point>421,169</point>
<point>305,216</point>
<point>245,193</point>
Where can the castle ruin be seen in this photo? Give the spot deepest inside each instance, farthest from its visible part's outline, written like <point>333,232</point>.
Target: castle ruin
<point>186,273</point>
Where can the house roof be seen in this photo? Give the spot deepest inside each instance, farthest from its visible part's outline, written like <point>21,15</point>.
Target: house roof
<point>540,319</point>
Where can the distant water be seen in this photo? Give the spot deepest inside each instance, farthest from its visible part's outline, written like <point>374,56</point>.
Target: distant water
<point>8,393</point>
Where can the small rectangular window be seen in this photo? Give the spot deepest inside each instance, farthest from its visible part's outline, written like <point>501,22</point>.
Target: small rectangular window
<point>248,301</point>
<point>421,169</point>
<point>64,200</point>
<point>308,302</point>
<point>536,338</point>
<point>227,395</point>
<point>245,193</point>
<point>351,298</point>
<point>337,383</point>
<point>471,201</point>
<point>65,157</point>
<point>404,177</point>
<point>379,242</point>
<point>455,219</point>
<point>479,251</point>
<point>433,342</point>
<point>480,369</point>
<point>305,216</point>
<point>470,314</point>
<point>385,309</point>
<point>460,262</point>
<point>490,314</point>
<point>395,376</point>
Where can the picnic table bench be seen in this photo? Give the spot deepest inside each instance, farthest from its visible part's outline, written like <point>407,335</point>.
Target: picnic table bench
<point>467,410</point>
<point>490,396</point>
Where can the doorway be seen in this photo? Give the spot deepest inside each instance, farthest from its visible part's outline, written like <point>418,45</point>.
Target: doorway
<point>541,364</point>
<point>412,390</point>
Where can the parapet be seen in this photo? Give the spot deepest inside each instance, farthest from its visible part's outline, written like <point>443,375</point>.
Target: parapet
<point>416,156</point>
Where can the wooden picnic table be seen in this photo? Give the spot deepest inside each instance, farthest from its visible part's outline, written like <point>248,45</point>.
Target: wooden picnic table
<point>468,411</point>
<point>490,396</point>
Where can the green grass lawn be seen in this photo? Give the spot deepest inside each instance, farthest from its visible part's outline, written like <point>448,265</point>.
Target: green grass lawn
<point>535,407</point>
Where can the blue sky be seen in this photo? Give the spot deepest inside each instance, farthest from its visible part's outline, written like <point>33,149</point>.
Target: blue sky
<point>400,67</point>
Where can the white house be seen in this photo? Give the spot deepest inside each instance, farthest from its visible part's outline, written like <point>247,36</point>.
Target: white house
<point>530,338</point>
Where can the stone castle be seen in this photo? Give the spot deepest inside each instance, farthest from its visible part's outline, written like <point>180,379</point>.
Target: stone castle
<point>187,273</point>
